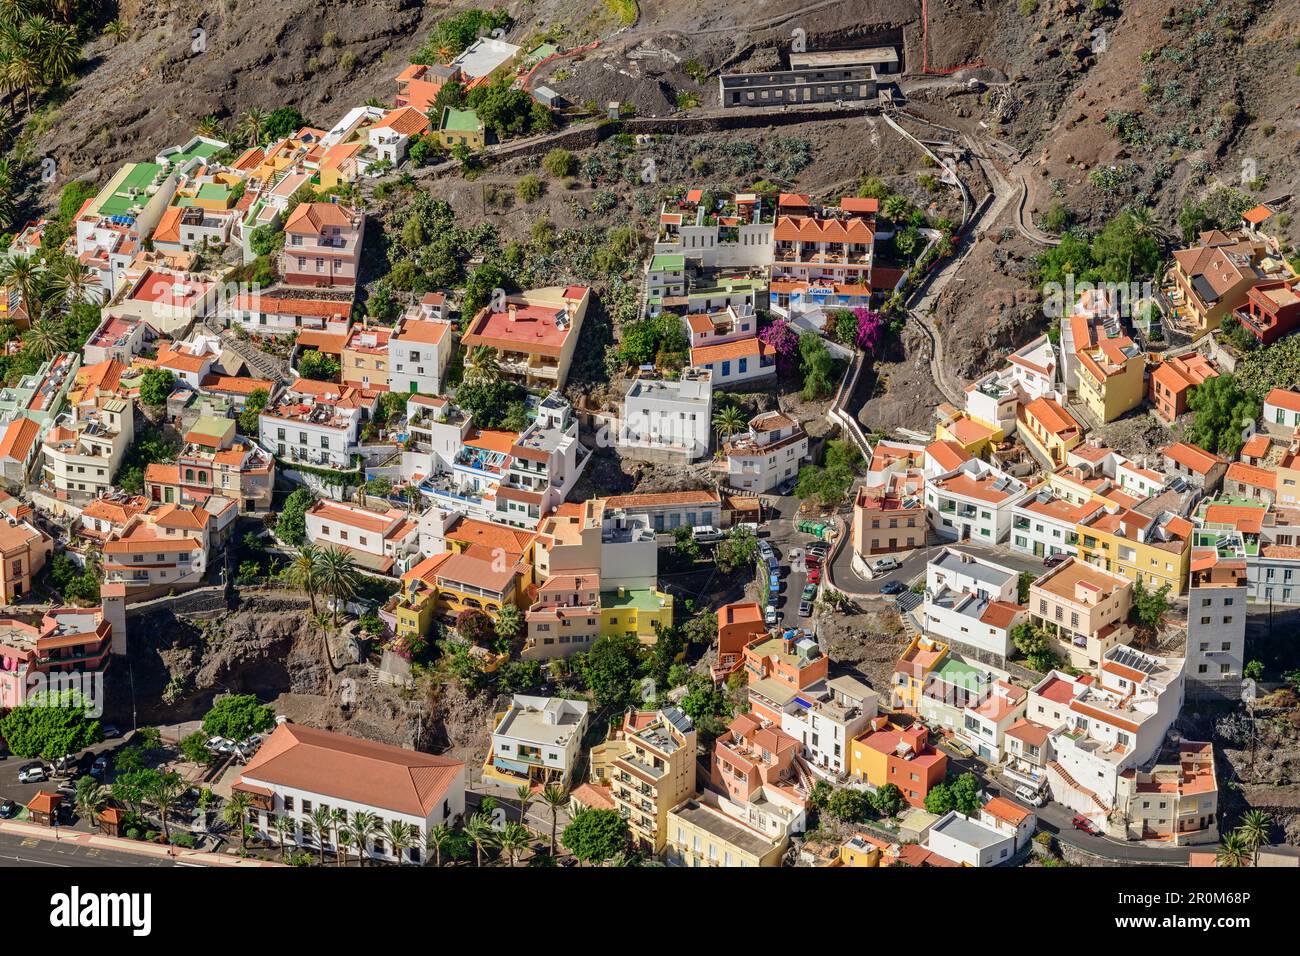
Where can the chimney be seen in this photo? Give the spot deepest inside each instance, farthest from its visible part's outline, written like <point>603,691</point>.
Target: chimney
<point>511,313</point>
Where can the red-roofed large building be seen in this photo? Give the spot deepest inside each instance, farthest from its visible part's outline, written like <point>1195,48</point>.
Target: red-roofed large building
<point>1172,382</point>
<point>534,334</point>
<point>1213,278</point>
<point>1282,412</point>
<point>1271,310</point>
<point>821,259</point>
<point>419,348</point>
<point>972,501</point>
<point>1086,609</point>
<point>165,549</point>
<point>64,641</point>
<point>287,312</point>
<point>322,245</point>
<point>214,461</point>
<point>382,540</point>
<point>902,756</point>
<point>768,454</point>
<point>299,770</point>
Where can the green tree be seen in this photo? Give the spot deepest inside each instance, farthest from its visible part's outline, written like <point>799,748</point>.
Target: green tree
<point>1233,850</point>
<point>164,790</point>
<point>560,163</point>
<point>90,798</point>
<point>235,813</point>
<point>816,365</point>
<point>848,805</point>
<point>889,800</point>
<point>194,747</point>
<point>155,385</point>
<point>940,800</point>
<point>338,577</point>
<point>595,836</point>
<point>737,550</point>
<point>362,829</point>
<point>481,833</point>
<point>291,526</point>
<point>610,669</point>
<point>1221,408</point>
<point>509,623</point>
<point>317,365</point>
<point>727,421</point>
<point>1149,608</point>
<point>966,794</point>
<point>529,188</point>
<point>49,725</point>
<point>236,716</point>
<point>556,798</point>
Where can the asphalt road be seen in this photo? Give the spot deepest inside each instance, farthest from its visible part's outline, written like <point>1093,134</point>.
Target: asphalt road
<point>913,566</point>
<point>25,851</point>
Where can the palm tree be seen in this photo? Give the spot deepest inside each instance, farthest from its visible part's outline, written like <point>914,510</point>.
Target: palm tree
<point>283,827</point>
<point>509,622</point>
<point>91,798</point>
<point>727,421</point>
<point>482,366</point>
<point>555,797</point>
<point>364,825</point>
<point>27,276</point>
<point>117,30</point>
<point>338,819</point>
<point>60,53</point>
<point>323,821</point>
<point>14,11</point>
<point>303,570</point>
<point>211,127</point>
<point>524,792</point>
<point>338,577</point>
<point>480,832</point>
<point>513,840</point>
<point>251,126</point>
<point>70,280</point>
<point>348,839</point>
<point>401,835</point>
<point>438,838</point>
<point>164,791</point>
<point>235,813</point>
<point>21,72</point>
<point>45,338</point>
<point>1233,851</point>
<point>1254,829</point>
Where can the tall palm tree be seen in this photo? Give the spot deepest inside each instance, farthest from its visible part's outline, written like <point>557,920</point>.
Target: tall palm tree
<point>91,797</point>
<point>304,570</point>
<point>482,366</point>
<point>235,813</point>
<point>1233,851</point>
<point>164,790</point>
<point>438,838</point>
<point>513,840</point>
<point>347,839</point>
<point>555,797</point>
<point>252,126</point>
<point>402,836</point>
<point>1254,830</point>
<point>364,826</point>
<point>118,30</point>
<point>727,421</point>
<point>323,821</point>
<point>338,820</point>
<point>481,833</point>
<point>524,794</point>
<point>509,622</point>
<point>338,577</point>
<point>283,827</point>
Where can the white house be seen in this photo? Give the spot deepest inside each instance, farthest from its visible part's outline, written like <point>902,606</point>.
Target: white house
<point>1282,412</point>
<point>974,502</point>
<point>419,349</point>
<point>971,601</point>
<point>825,717</point>
<point>382,540</point>
<point>668,418</point>
<point>545,463</point>
<point>1044,523</point>
<point>83,451</point>
<point>969,842</point>
<point>538,739</point>
<point>315,422</point>
<point>769,453</point>
<point>1216,621</point>
<point>1031,372</point>
<point>984,724</point>
<point>299,770</point>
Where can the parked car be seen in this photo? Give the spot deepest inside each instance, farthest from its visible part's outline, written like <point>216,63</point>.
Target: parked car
<point>809,592</point>
<point>706,534</point>
<point>884,566</point>
<point>65,764</point>
<point>805,608</point>
<point>8,809</point>
<point>815,575</point>
<point>1083,823</point>
<point>1030,795</point>
<point>1052,560</point>
<point>959,748</point>
<point>893,587</point>
<point>110,732</point>
<point>812,560</point>
<point>765,550</point>
<point>99,768</point>
<point>32,773</point>
<point>770,617</point>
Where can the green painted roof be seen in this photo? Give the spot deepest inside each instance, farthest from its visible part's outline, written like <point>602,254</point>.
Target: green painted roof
<point>668,263</point>
<point>210,425</point>
<point>138,176</point>
<point>642,599</point>
<point>213,191</point>
<point>200,149</point>
<point>461,121</point>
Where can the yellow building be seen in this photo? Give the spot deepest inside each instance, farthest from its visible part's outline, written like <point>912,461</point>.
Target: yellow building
<point>912,671</point>
<point>861,850</point>
<point>443,586</point>
<point>653,772</point>
<point>461,128</point>
<point>973,436</point>
<point>1050,429</point>
<point>1110,368</point>
<point>700,835</point>
<point>1155,551</point>
<point>635,611</point>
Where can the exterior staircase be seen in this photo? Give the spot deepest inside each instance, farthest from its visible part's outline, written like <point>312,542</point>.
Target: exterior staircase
<point>1054,769</point>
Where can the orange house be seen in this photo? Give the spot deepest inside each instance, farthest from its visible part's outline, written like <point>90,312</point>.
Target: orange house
<point>1173,380</point>
<point>902,756</point>
<point>777,669</point>
<point>738,625</point>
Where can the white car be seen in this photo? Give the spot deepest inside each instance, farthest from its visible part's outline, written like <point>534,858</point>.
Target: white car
<point>770,617</point>
<point>884,566</point>
<point>1034,798</point>
<point>32,775</point>
<point>706,533</point>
